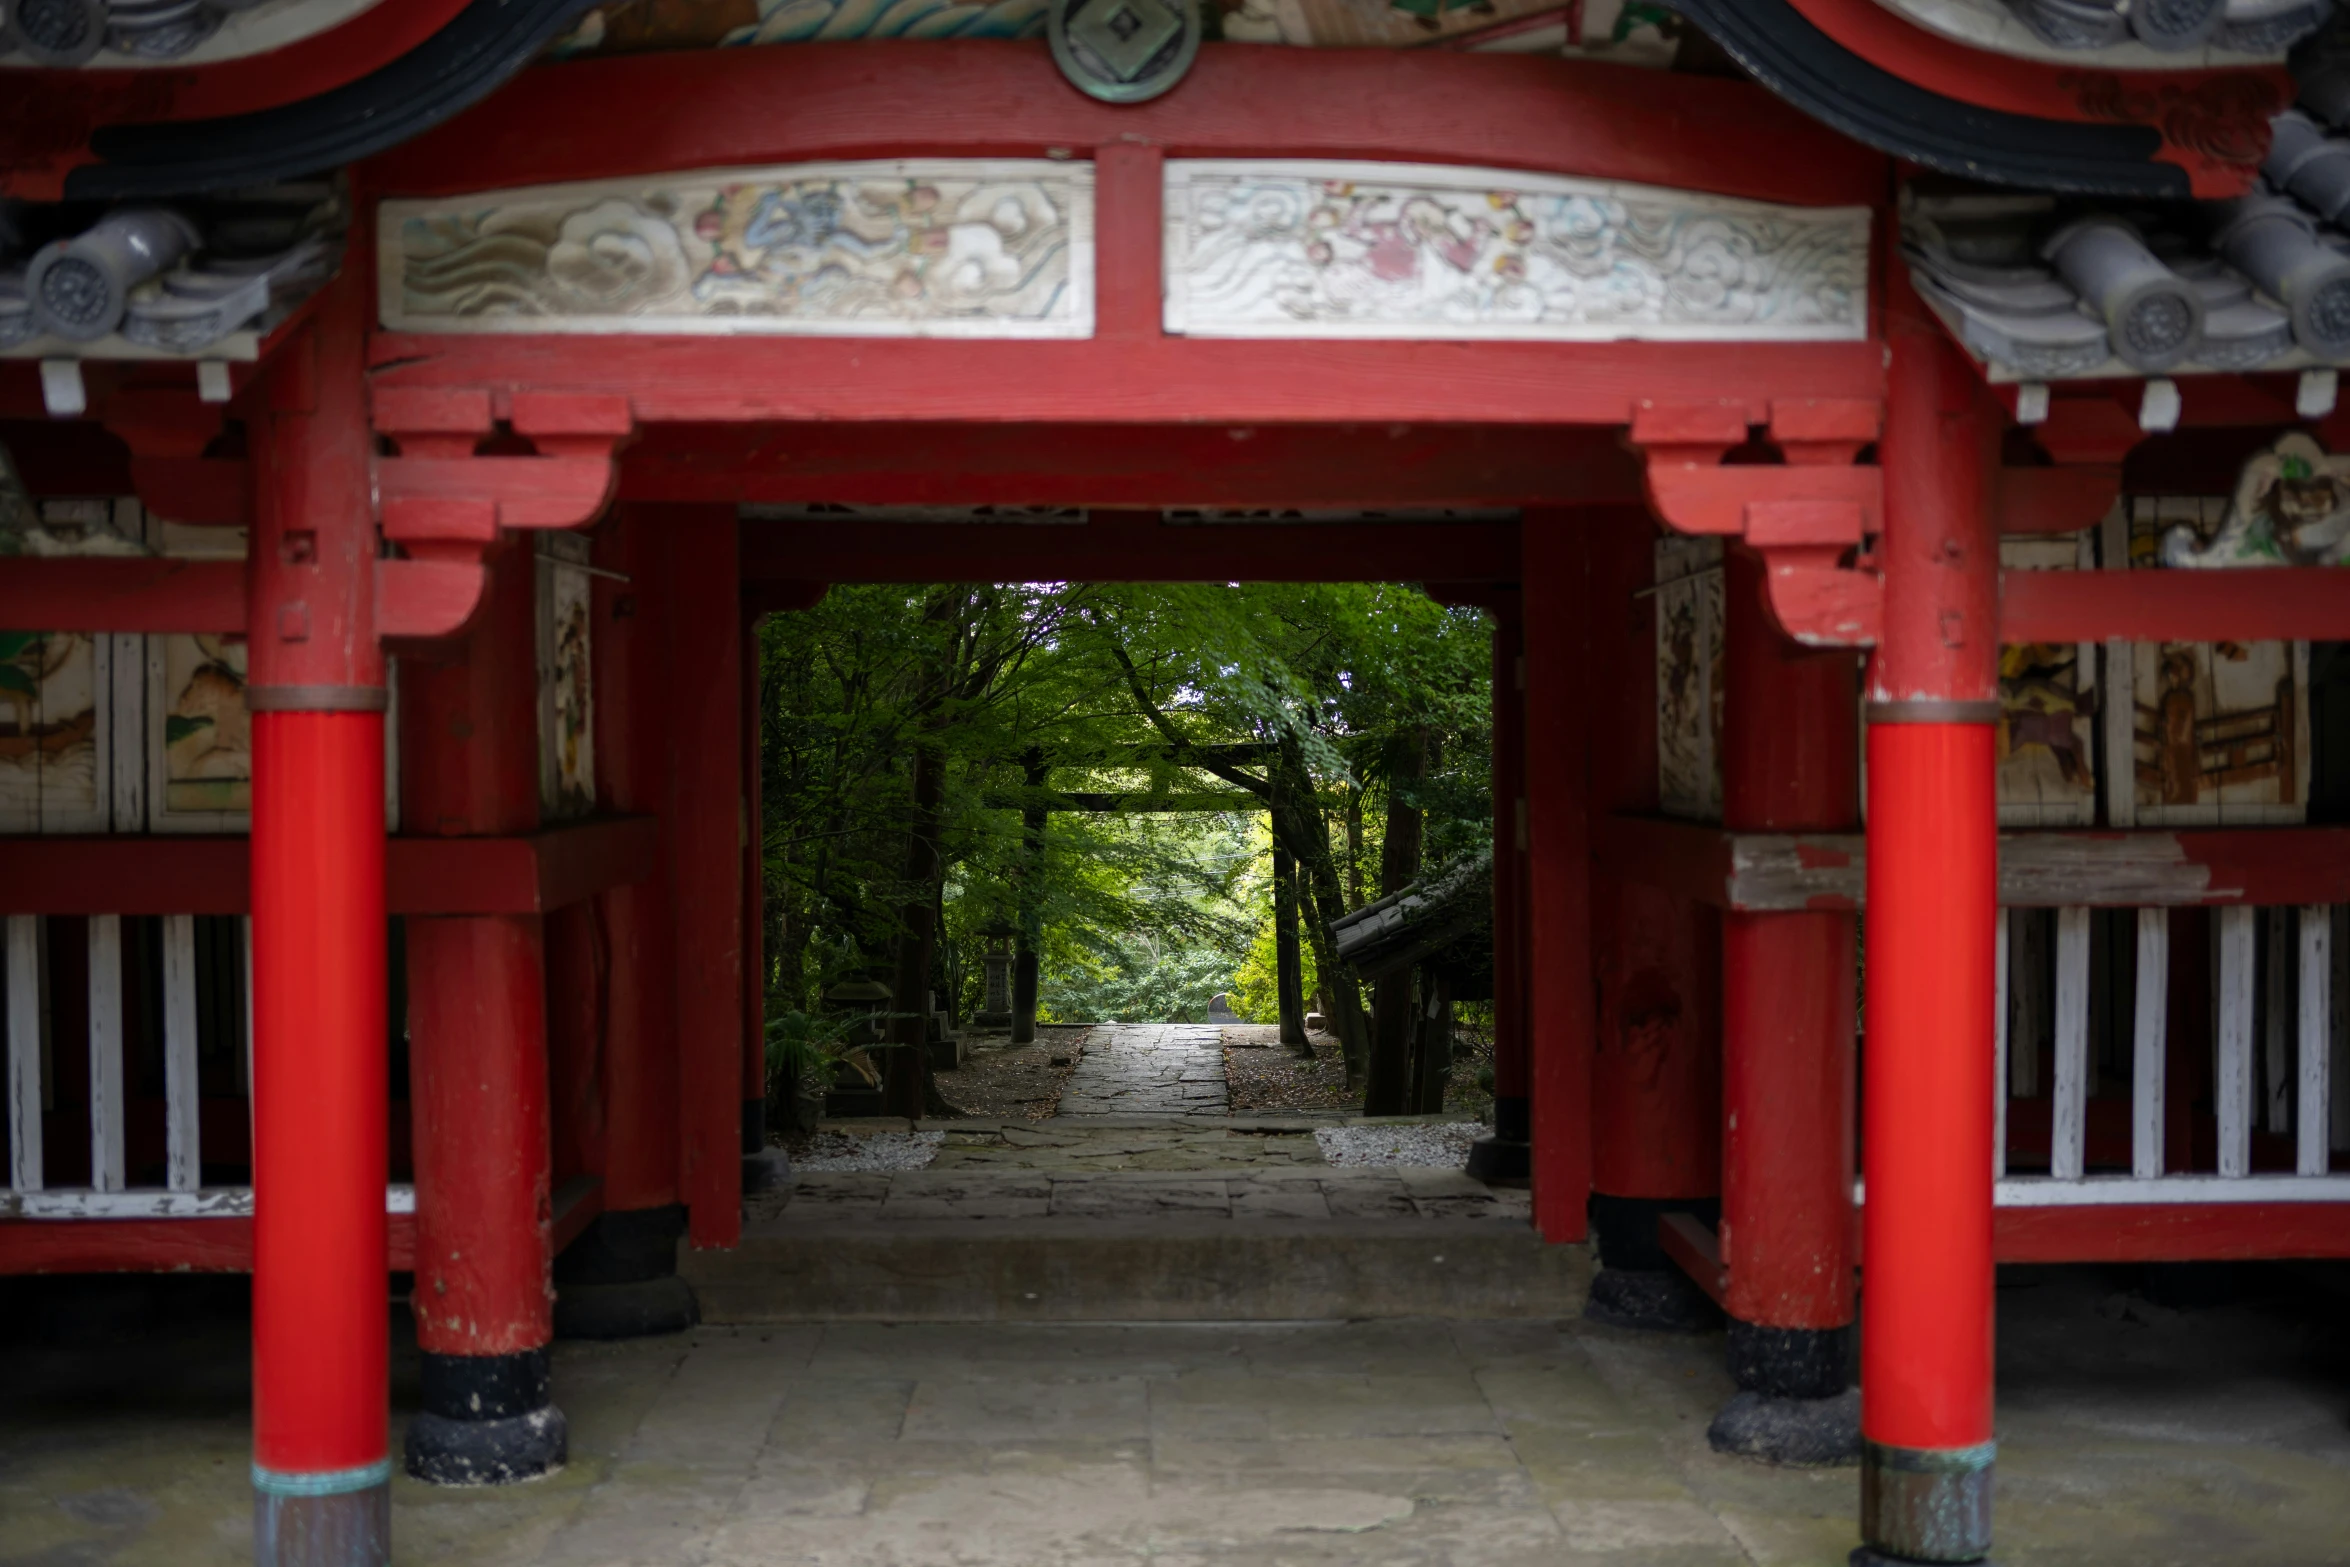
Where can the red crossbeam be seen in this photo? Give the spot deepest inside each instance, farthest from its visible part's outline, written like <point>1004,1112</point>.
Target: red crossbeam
<point>2303,604</point>
<point>1130,547</point>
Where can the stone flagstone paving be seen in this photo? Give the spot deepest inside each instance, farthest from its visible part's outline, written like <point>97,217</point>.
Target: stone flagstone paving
<point>1148,1069</point>
<point>2179,1440</point>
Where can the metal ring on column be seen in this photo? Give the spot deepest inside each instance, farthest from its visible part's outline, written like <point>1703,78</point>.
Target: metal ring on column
<point>1933,712</point>
<point>336,1518</point>
<point>1927,1504</point>
<point>317,699</point>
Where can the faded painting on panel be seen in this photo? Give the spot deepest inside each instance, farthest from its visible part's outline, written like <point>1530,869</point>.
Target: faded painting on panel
<point>200,739</point>
<point>966,247</point>
<point>2047,746</point>
<point>2220,732</point>
<point>1689,599</point>
<point>54,741</point>
<point>567,736</point>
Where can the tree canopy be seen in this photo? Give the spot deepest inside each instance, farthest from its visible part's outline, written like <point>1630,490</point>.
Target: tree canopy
<point>1104,771</point>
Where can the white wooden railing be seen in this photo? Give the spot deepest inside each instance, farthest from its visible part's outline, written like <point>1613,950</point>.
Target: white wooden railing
<point>32,1086</point>
<point>2281,1056</point>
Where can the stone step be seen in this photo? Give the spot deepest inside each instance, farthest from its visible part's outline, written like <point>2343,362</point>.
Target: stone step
<point>1039,1246</point>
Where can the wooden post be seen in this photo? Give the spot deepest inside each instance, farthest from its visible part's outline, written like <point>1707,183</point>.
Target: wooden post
<point>1933,690</point>
<point>1656,1058</point>
<point>1031,911</point>
<point>1289,970</point>
<point>706,863</point>
<point>1555,583</point>
<point>619,1279</point>
<point>1507,1156</point>
<point>477,1025</point>
<point>1790,764</point>
<point>754,914</point>
<point>321,1467</point>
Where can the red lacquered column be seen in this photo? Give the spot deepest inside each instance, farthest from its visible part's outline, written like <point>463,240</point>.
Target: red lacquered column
<point>321,1314</point>
<point>1507,1156</point>
<point>477,1028</point>
<point>1932,839</point>
<point>1558,871</point>
<point>1790,764</point>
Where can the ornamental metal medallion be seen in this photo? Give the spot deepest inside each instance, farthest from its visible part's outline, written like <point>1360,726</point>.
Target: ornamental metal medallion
<point>1124,51</point>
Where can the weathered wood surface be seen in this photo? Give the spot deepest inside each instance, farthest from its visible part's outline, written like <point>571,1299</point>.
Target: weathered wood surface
<point>1763,872</point>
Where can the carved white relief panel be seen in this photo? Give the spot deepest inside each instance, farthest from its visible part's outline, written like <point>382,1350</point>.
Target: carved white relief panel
<point>938,248</point>
<point>1265,249</point>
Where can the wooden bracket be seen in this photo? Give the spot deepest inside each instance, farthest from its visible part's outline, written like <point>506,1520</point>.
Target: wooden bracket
<point>447,503</point>
<point>1804,516</point>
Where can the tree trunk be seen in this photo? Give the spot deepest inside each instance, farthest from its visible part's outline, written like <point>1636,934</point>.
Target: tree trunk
<point>1387,1085</point>
<point>1354,850</point>
<point>906,1086</point>
<point>1298,823</point>
<point>1288,962</point>
<point>1031,919</point>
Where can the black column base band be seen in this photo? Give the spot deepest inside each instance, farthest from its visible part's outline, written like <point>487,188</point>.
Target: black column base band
<point>1652,1300</point>
<point>343,1529</point>
<point>1866,1556</point>
<point>622,1246</point>
<point>1513,1119</point>
<point>486,1420</point>
<point>1624,1228</point>
<point>1809,1433</point>
<point>1790,1362</point>
<point>642,1308</point>
<point>754,1127</point>
<point>1926,1504</point>
<point>1498,1162</point>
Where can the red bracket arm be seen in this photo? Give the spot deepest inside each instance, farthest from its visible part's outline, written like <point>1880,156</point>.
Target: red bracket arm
<point>1804,517</point>
<point>447,504</point>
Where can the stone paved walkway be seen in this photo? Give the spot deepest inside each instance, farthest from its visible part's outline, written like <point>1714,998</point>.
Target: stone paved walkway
<point>1148,1069</point>
<point>2211,1437</point>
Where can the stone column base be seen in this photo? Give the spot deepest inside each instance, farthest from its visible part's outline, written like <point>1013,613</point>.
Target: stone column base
<point>487,1420</point>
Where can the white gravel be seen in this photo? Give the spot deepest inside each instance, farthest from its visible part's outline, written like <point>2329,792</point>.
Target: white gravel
<point>1435,1147</point>
<point>868,1151</point>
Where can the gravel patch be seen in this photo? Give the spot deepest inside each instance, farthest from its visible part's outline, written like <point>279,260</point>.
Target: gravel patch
<point>1431,1147</point>
<point>868,1151</point>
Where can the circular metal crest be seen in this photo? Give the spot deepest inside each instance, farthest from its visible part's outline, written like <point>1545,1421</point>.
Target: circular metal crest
<point>1124,51</point>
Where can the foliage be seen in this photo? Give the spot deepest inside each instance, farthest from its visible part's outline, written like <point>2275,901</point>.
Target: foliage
<point>1031,692</point>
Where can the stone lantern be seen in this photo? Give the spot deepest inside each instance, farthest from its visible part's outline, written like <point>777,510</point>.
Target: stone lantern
<point>996,959</point>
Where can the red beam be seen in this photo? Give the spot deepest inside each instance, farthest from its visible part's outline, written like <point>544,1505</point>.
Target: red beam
<point>1696,1250</point>
<point>2056,500</point>
<point>2172,1232</point>
<point>209,875</point>
<point>1691,859</point>
<point>2147,867</point>
<point>1109,465</point>
<point>2308,604</point>
<point>1130,547</point>
<point>1154,380</point>
<point>908,98</point>
<point>154,1245</point>
<point>123,594</point>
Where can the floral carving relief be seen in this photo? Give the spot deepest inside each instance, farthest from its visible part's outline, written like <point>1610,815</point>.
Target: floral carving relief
<point>938,248</point>
<point>1402,250</point>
